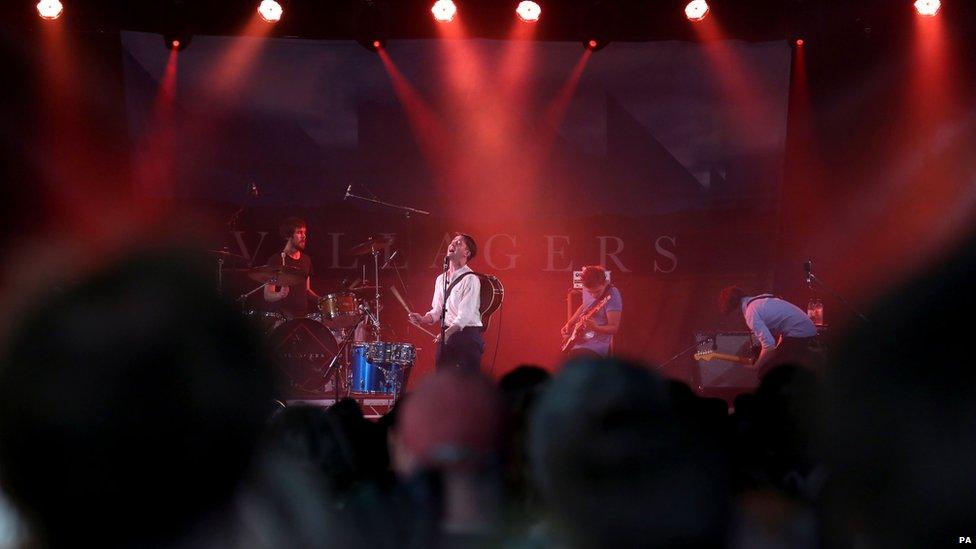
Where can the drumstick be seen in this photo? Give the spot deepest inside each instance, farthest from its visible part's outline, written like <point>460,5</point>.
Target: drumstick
<point>399,298</point>
<point>406,307</point>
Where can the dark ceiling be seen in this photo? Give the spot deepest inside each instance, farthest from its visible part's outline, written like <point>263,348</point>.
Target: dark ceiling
<point>634,20</point>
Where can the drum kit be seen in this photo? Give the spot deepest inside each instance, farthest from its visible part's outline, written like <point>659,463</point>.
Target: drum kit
<point>324,353</point>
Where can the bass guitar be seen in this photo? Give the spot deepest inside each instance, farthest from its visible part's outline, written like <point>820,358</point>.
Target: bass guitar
<point>580,333</point>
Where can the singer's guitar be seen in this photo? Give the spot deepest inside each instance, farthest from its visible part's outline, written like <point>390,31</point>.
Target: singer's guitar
<point>580,333</point>
<point>492,294</point>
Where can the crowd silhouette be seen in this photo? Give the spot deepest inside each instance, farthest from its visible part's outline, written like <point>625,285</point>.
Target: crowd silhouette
<point>136,410</point>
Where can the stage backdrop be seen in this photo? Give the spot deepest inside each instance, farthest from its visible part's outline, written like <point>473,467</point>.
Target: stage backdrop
<point>662,161</point>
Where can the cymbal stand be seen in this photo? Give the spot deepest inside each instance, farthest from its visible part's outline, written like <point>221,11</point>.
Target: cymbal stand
<point>220,275</point>
<point>374,320</point>
<point>376,293</point>
<point>335,367</point>
<point>243,297</point>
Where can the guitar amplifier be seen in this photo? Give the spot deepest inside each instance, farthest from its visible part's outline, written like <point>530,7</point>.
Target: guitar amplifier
<point>723,374</point>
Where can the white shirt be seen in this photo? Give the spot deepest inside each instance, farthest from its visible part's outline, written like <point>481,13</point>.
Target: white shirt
<point>463,305</point>
<point>770,317</point>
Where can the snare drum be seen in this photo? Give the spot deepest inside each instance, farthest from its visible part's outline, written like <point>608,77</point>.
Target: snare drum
<point>265,321</point>
<point>340,310</point>
<point>379,367</point>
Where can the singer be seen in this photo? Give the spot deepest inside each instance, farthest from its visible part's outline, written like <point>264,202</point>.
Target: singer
<point>786,333</point>
<point>462,345</point>
<point>292,301</point>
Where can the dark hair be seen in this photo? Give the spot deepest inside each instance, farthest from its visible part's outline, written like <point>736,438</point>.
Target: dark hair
<point>729,298</point>
<point>469,241</point>
<point>289,225</point>
<point>133,389</point>
<point>593,276</point>
<point>606,452</point>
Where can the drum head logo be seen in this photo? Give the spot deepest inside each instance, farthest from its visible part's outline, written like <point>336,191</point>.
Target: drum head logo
<point>303,350</point>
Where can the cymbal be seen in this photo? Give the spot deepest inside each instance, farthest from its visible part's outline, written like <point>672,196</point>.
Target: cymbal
<point>371,245</point>
<point>225,253</point>
<point>358,288</point>
<point>277,275</point>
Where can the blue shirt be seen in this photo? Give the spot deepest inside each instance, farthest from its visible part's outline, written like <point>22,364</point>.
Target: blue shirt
<point>601,342</point>
<point>770,317</point>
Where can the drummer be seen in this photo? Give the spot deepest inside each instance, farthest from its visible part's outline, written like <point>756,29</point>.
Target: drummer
<point>292,301</point>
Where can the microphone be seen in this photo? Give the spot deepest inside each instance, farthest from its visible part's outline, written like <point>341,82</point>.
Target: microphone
<point>389,259</point>
<point>447,261</point>
<point>277,288</point>
<point>348,190</point>
<point>808,268</point>
<point>254,190</point>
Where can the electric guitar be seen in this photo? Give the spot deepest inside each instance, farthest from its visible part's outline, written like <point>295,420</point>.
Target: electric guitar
<point>580,333</point>
<point>708,354</point>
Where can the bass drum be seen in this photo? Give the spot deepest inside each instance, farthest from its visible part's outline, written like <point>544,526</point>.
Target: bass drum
<point>302,350</point>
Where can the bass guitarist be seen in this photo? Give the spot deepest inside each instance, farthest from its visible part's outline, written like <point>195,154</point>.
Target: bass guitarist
<point>590,330</point>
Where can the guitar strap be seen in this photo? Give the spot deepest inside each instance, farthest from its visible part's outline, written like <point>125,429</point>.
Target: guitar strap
<point>593,307</point>
<point>455,282</point>
<point>763,296</point>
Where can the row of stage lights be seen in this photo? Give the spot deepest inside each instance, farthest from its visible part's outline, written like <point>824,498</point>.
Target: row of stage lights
<point>271,11</point>
<point>444,11</point>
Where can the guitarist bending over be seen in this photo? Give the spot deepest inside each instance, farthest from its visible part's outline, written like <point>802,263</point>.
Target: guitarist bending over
<point>591,328</point>
<point>785,332</point>
<point>463,345</point>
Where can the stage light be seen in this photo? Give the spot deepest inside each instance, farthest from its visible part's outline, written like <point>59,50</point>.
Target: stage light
<point>696,10</point>
<point>597,23</point>
<point>270,11</point>
<point>927,8</point>
<point>595,44</point>
<point>50,9</point>
<point>528,11</point>
<point>799,42</point>
<point>373,25</point>
<point>444,11</point>
<point>177,40</point>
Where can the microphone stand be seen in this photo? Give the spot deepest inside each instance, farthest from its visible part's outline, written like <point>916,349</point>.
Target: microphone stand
<point>406,209</point>
<point>677,356</point>
<point>811,279</point>
<point>447,264</point>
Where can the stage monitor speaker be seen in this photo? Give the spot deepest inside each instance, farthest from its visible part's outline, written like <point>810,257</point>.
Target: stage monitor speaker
<point>722,374</point>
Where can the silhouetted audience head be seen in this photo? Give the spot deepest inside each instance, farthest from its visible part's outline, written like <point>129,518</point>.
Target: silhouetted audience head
<point>521,383</point>
<point>777,431</point>
<point>452,421</point>
<point>615,467</point>
<point>129,405</point>
<point>520,389</point>
<point>901,415</point>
